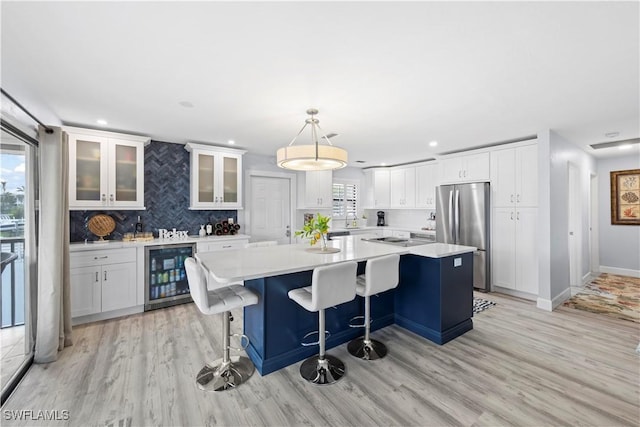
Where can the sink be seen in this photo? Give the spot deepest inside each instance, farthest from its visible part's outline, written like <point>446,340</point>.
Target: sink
<point>398,241</point>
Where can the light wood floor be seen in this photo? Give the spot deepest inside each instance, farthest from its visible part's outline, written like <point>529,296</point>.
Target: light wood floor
<point>519,366</point>
<point>12,352</point>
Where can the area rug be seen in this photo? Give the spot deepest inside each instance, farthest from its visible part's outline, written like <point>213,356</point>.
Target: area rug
<point>480,304</point>
<point>610,294</point>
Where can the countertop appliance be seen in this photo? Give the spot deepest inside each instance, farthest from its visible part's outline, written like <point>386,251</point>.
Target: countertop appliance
<point>165,277</point>
<point>381,219</point>
<point>414,240</point>
<point>463,219</point>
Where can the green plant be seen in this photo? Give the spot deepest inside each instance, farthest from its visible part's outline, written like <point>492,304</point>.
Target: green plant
<point>316,229</point>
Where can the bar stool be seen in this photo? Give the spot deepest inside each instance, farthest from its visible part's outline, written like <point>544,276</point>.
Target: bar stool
<point>228,372</point>
<point>381,274</point>
<point>330,285</point>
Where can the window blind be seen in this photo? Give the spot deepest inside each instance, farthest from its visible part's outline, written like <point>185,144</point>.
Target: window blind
<point>345,200</point>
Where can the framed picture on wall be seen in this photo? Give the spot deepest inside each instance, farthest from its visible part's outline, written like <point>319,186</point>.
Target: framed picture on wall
<point>625,197</point>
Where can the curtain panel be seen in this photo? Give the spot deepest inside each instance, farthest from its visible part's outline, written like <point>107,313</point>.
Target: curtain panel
<point>53,330</point>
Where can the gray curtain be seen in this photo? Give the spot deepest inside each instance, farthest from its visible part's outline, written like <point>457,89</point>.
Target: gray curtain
<point>53,330</point>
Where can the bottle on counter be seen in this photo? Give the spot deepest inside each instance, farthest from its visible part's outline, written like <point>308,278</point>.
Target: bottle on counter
<point>202,231</point>
<point>209,228</point>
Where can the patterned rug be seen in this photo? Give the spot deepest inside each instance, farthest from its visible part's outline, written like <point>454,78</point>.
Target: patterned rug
<point>480,304</point>
<point>610,294</point>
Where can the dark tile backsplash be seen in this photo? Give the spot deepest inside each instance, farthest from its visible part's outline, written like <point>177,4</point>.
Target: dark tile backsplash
<point>166,195</point>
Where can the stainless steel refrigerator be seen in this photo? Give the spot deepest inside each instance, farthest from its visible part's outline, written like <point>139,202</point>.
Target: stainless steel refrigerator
<point>462,218</point>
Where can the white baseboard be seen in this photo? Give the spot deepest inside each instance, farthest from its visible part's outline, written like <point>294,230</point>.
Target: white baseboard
<point>107,315</point>
<point>620,271</point>
<point>587,278</point>
<point>550,305</point>
<point>514,293</point>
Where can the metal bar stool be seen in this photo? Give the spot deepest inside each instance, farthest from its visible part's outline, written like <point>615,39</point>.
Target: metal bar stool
<point>330,285</point>
<point>228,372</point>
<point>381,274</point>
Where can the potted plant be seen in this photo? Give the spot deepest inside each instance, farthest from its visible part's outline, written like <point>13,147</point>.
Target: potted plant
<point>316,230</point>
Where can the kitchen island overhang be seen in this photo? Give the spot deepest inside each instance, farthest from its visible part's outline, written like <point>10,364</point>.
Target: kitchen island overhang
<point>434,297</point>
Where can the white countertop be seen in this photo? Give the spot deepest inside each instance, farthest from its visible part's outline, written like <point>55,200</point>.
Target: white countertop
<point>253,263</point>
<point>117,244</point>
<point>392,228</point>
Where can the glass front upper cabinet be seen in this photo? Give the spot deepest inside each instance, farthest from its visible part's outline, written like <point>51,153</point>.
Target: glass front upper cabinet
<point>106,170</point>
<point>216,177</point>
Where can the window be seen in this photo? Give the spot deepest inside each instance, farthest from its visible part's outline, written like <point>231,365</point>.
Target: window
<point>345,200</point>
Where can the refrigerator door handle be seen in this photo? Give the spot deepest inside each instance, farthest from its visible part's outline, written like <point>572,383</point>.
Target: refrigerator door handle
<point>452,235</point>
<point>457,217</point>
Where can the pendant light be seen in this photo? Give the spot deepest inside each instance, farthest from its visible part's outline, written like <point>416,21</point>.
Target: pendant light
<point>314,156</point>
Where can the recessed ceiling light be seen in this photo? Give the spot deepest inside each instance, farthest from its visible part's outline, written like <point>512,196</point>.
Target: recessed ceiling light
<point>186,104</point>
<point>383,164</point>
<point>611,134</point>
<point>624,147</point>
<point>433,143</point>
<point>231,142</point>
<point>101,122</point>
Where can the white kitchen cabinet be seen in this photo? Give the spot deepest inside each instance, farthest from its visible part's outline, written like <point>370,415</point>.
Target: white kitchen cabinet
<point>514,254</point>
<point>216,177</point>
<point>381,188</point>
<point>102,281</point>
<point>426,183</point>
<point>106,170</point>
<point>317,190</point>
<point>402,183</point>
<point>465,168</point>
<point>514,176</point>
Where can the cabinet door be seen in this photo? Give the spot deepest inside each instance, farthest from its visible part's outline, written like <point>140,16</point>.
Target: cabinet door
<point>503,269</point>
<point>85,291</point>
<point>409,188</point>
<point>526,250</point>
<point>126,174</point>
<point>476,167</point>
<point>381,188</point>
<point>451,170</point>
<point>426,186</point>
<point>503,177</point>
<point>526,160</point>
<point>118,286</point>
<point>88,186</point>
<point>230,181</point>
<point>204,169</point>
<point>397,189</point>
<point>318,189</point>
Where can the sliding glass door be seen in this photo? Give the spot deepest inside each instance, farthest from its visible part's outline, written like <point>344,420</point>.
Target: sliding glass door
<point>18,222</point>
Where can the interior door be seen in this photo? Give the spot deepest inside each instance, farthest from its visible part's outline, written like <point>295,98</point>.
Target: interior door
<point>574,225</point>
<point>270,209</point>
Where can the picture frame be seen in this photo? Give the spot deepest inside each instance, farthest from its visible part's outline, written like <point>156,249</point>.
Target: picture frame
<point>625,197</point>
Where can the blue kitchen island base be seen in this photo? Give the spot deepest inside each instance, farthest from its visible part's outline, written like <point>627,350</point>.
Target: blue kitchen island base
<point>434,299</point>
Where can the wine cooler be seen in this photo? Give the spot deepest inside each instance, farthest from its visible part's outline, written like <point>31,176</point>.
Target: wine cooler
<point>165,277</point>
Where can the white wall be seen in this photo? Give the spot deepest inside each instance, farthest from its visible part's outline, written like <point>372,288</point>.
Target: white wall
<point>554,197</point>
<point>619,245</point>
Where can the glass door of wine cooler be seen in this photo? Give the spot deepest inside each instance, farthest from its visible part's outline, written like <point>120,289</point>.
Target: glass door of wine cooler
<point>165,276</point>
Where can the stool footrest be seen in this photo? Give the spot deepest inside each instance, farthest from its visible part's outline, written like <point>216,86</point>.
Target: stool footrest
<point>305,343</point>
<point>242,346</point>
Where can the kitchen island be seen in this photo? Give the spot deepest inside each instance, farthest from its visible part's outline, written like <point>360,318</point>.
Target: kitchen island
<point>433,299</point>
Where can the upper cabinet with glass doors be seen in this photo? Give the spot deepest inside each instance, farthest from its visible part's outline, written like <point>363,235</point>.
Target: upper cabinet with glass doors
<point>216,177</point>
<point>106,170</point>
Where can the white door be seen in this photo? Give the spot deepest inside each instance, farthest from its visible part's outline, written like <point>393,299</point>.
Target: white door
<point>575,225</point>
<point>270,209</point>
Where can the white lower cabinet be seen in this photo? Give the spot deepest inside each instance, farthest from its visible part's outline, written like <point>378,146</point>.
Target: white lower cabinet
<point>514,249</point>
<point>102,281</point>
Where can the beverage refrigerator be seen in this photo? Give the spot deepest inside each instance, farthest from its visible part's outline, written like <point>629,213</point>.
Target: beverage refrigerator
<point>165,277</point>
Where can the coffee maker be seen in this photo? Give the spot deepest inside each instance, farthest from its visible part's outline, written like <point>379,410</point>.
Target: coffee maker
<point>381,218</point>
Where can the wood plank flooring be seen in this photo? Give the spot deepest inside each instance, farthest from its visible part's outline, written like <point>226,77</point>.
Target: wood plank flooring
<point>518,366</point>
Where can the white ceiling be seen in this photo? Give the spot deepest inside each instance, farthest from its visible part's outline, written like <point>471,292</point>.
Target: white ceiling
<point>387,77</point>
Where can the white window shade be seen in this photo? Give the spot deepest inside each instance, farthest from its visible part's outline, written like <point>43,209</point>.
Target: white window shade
<point>345,200</point>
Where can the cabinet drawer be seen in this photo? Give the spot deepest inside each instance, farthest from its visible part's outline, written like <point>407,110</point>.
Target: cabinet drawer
<point>221,246</point>
<point>101,257</point>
